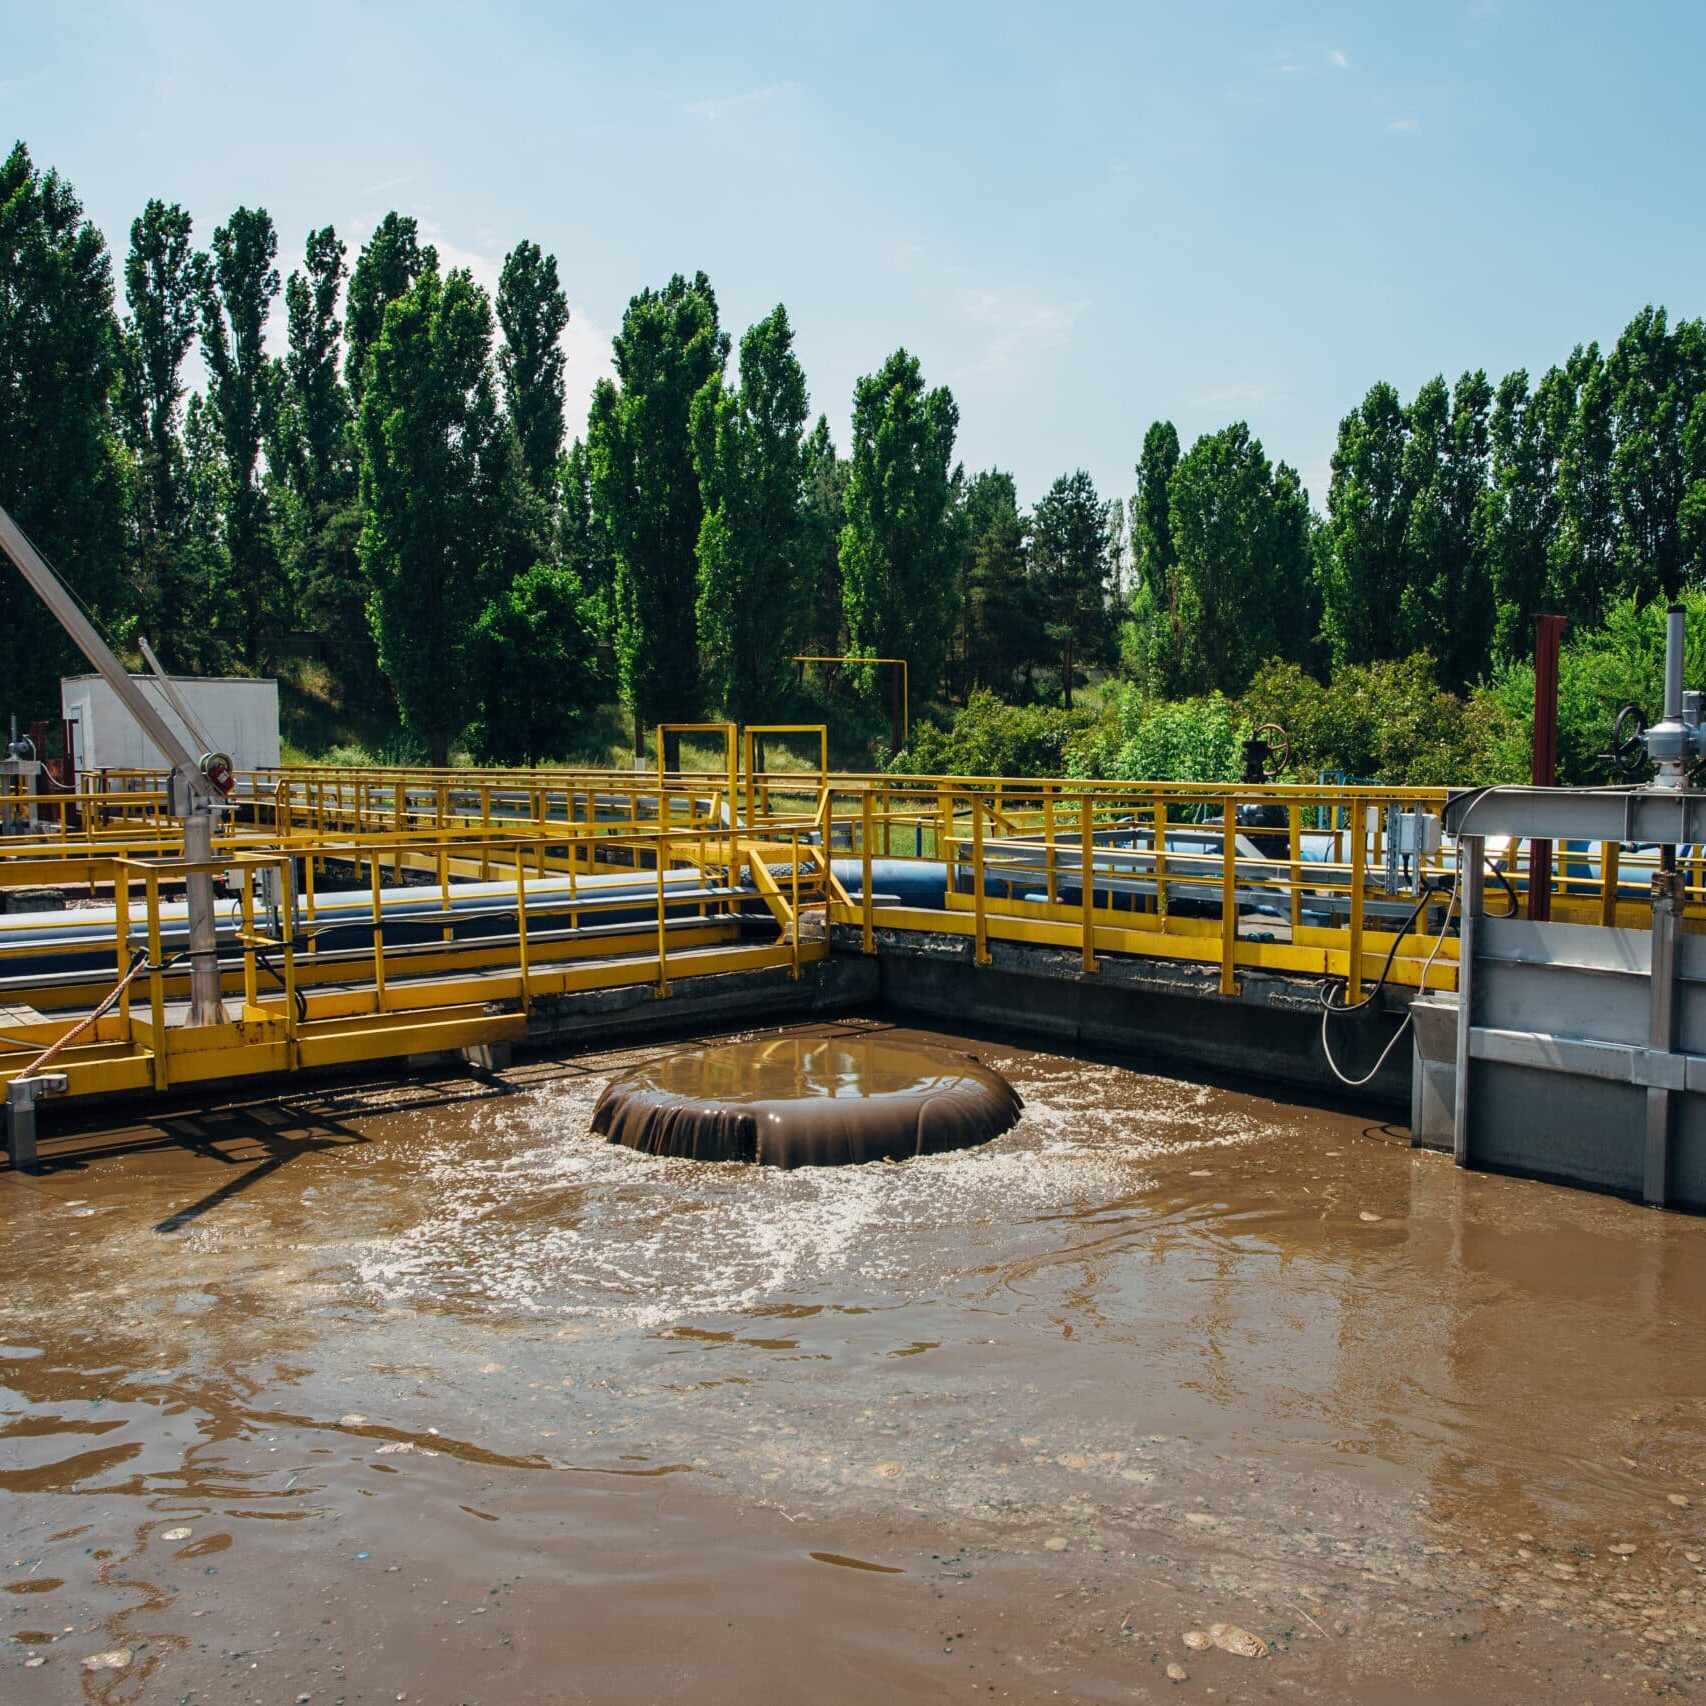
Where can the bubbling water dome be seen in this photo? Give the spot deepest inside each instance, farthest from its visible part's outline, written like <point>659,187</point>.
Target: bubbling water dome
<point>808,1102</point>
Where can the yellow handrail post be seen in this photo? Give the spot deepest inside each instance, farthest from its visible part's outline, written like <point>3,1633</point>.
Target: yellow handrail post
<point>794,896</point>
<point>663,949</point>
<point>444,930</point>
<point>1228,897</point>
<point>1048,843</point>
<point>1608,860</point>
<point>1087,881</point>
<point>246,890</point>
<point>308,896</point>
<point>1158,825</point>
<point>1294,828</point>
<point>867,901</point>
<point>1359,869</point>
<point>121,932</point>
<point>979,900</point>
<point>287,886</point>
<point>378,935</point>
<point>156,979</point>
<point>521,931</point>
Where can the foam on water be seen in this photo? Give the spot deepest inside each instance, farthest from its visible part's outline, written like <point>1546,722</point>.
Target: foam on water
<point>535,1214</point>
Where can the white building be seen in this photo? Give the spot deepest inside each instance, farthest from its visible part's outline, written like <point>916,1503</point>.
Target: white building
<point>237,715</point>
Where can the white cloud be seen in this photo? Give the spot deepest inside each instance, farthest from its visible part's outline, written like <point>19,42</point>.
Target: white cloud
<point>485,268</point>
<point>586,344</point>
<point>720,106</point>
<point>1336,56</point>
<point>1015,323</point>
<point>1404,126</point>
<point>1243,394</point>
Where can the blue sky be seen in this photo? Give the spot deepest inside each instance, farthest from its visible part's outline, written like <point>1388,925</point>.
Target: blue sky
<point>1080,217</point>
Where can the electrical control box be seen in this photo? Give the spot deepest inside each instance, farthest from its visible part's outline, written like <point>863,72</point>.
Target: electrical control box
<point>1415,833</point>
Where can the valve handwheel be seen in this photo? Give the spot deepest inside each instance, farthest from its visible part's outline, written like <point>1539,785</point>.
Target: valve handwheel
<point>1278,743</point>
<point>1628,750</point>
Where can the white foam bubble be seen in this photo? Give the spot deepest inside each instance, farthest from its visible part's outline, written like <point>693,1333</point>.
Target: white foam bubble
<point>538,1215</point>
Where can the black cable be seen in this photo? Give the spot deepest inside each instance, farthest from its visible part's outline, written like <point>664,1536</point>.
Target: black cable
<point>1505,883</point>
<point>1385,970</point>
<point>1470,796</point>
<point>1392,952</point>
<point>278,978</point>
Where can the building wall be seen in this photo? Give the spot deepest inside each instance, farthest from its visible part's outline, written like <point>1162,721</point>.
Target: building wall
<point>238,716</point>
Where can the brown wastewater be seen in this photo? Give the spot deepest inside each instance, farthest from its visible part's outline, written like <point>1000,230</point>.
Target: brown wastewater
<point>427,1393</point>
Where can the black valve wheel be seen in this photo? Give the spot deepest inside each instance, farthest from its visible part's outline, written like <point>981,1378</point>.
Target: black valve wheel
<point>1278,743</point>
<point>1628,750</point>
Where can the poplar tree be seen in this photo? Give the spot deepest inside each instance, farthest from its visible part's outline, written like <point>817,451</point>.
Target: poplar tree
<point>645,492</point>
<point>162,283</point>
<point>1241,532</point>
<point>1655,375</point>
<point>898,582</point>
<point>1160,634</point>
<point>60,466</point>
<point>1151,510</point>
<point>825,502</point>
<point>1446,606</point>
<point>239,282</point>
<point>1362,559</point>
<point>1069,560</point>
<point>311,451</point>
<point>754,576</point>
<point>1584,555</point>
<point>1692,517</point>
<point>1292,542</point>
<point>581,541</point>
<point>1001,620</point>
<point>389,265</point>
<point>533,312</point>
<point>1519,513</point>
<point>433,488</point>
<point>206,481</point>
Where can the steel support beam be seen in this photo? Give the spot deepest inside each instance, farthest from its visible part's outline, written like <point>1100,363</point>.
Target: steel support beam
<point>1624,815</point>
<point>1472,882</point>
<point>1661,1031</point>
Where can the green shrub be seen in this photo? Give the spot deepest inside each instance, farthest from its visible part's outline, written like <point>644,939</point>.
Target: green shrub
<point>1162,740</point>
<point>1389,722</point>
<point>988,737</point>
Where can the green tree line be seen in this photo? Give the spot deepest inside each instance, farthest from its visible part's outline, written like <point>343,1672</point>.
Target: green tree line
<point>397,489</point>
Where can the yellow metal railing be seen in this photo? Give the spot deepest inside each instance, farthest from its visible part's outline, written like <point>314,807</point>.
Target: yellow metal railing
<point>341,985</point>
<point>1172,871</point>
<point>1177,874</point>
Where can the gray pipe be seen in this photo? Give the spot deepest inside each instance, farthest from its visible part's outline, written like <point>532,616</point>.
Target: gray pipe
<point>205,1006</point>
